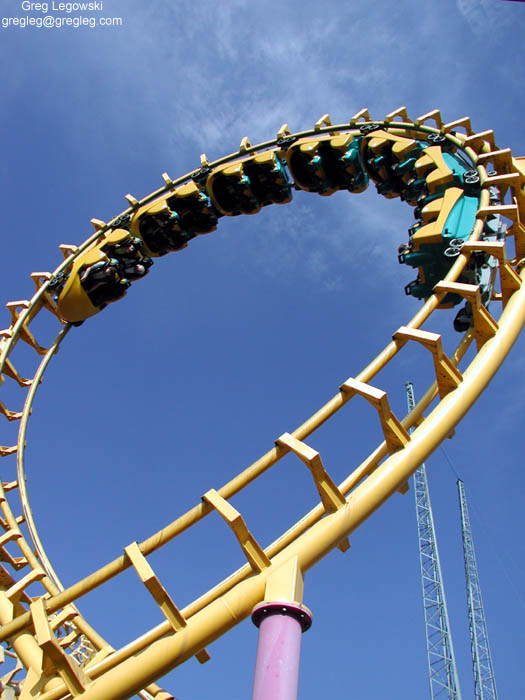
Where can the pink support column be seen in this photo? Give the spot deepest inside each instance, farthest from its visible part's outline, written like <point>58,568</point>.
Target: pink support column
<point>279,648</point>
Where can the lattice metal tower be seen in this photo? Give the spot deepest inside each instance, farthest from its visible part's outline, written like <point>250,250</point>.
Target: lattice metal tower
<point>484,680</point>
<point>442,672</point>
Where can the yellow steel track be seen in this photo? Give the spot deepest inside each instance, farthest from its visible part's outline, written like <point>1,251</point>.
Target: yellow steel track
<point>52,651</point>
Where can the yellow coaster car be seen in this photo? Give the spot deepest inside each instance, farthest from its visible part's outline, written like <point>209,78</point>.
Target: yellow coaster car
<point>436,240</point>
<point>194,209</point>
<point>326,164</point>
<point>159,228</point>
<point>389,160</point>
<point>244,186</point>
<point>102,274</point>
<point>168,223</point>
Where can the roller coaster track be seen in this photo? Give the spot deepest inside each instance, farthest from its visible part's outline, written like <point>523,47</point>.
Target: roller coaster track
<point>50,651</point>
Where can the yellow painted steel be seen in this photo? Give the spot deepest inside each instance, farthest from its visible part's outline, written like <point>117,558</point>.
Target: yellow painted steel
<point>170,650</point>
<point>436,214</point>
<point>83,664</point>
<point>286,583</point>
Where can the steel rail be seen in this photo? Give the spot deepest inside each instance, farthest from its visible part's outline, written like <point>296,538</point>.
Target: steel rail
<point>351,127</point>
<point>171,649</point>
<point>303,527</point>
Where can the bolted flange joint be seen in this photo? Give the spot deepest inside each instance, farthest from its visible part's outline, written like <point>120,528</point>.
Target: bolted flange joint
<point>298,612</point>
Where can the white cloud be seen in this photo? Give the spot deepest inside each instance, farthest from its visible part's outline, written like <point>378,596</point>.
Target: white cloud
<point>485,17</point>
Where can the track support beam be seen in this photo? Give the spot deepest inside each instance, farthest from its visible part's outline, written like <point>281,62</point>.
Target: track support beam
<point>54,657</point>
<point>396,436</point>
<point>485,327</point>
<point>448,377</point>
<point>159,593</point>
<point>251,548</point>
<point>331,497</point>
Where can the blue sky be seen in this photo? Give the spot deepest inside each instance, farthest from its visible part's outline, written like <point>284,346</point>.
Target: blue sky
<point>240,337</point>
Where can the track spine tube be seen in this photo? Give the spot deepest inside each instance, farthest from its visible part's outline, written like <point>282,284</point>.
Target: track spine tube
<point>173,649</point>
<point>116,675</point>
